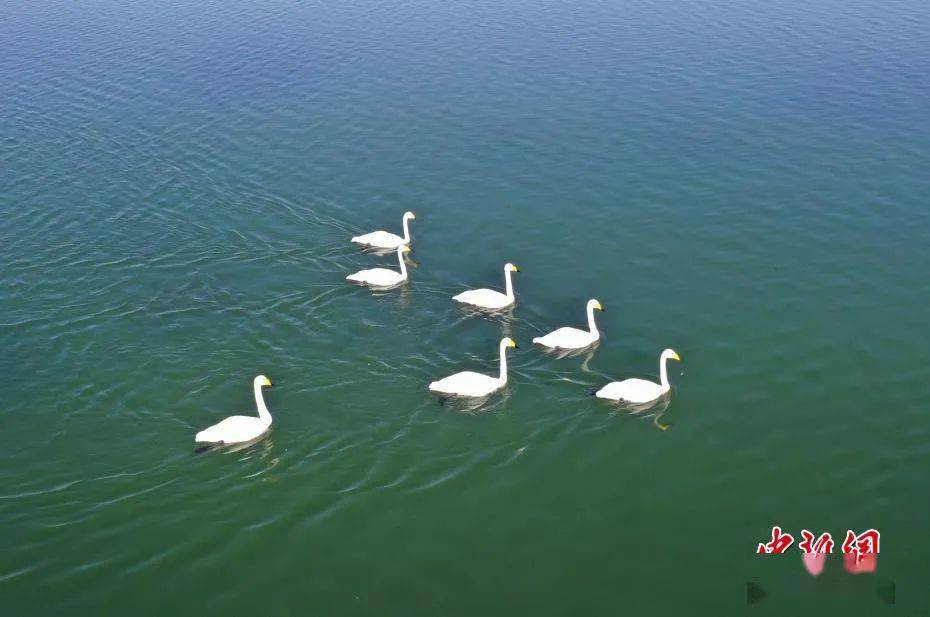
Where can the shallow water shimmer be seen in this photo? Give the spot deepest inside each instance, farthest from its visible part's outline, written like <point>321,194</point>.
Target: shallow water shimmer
<point>746,182</point>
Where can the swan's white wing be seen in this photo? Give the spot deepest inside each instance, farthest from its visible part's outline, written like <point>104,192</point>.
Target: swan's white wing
<point>378,277</point>
<point>487,298</point>
<point>631,390</point>
<point>466,383</point>
<point>233,429</point>
<point>359,277</point>
<point>379,239</point>
<point>566,338</point>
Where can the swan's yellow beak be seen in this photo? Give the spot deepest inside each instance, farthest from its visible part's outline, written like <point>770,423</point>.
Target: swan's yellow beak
<point>511,343</point>
<point>516,268</point>
<point>598,306</point>
<point>267,382</point>
<point>412,216</point>
<point>407,248</point>
<point>675,356</point>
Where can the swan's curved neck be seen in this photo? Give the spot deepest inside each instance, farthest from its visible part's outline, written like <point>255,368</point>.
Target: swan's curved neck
<point>503,375</point>
<point>400,258</point>
<point>663,372</point>
<point>591,325</point>
<point>508,282</point>
<point>406,230</point>
<point>263,412</point>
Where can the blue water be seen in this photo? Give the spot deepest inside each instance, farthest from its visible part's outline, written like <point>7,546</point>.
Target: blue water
<point>743,181</point>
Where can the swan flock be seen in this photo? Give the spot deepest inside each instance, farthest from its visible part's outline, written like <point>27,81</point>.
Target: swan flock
<point>244,429</point>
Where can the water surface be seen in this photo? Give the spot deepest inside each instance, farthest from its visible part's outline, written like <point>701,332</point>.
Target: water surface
<point>743,181</point>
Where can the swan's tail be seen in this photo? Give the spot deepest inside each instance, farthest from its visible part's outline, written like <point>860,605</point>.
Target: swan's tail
<point>539,339</point>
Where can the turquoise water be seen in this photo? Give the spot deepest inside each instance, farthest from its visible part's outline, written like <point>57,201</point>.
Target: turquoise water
<point>743,181</point>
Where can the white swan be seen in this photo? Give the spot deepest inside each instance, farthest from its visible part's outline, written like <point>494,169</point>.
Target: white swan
<point>467,383</point>
<point>384,239</point>
<point>382,277</point>
<point>488,298</point>
<point>573,338</point>
<point>640,390</point>
<point>239,429</point>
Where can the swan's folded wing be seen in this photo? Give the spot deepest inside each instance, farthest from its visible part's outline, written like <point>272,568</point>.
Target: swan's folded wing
<point>232,429</point>
<point>358,276</point>
<point>367,238</point>
<point>636,390</point>
<point>382,277</point>
<point>440,385</point>
<point>473,296</point>
<point>381,239</point>
<point>465,382</point>
<point>552,339</point>
<point>447,384</point>
<point>609,391</point>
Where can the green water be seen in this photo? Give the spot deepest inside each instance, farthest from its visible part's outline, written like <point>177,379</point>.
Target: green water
<point>745,182</point>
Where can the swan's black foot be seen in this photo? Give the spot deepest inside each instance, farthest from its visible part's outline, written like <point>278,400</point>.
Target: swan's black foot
<point>207,448</point>
<point>442,401</point>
